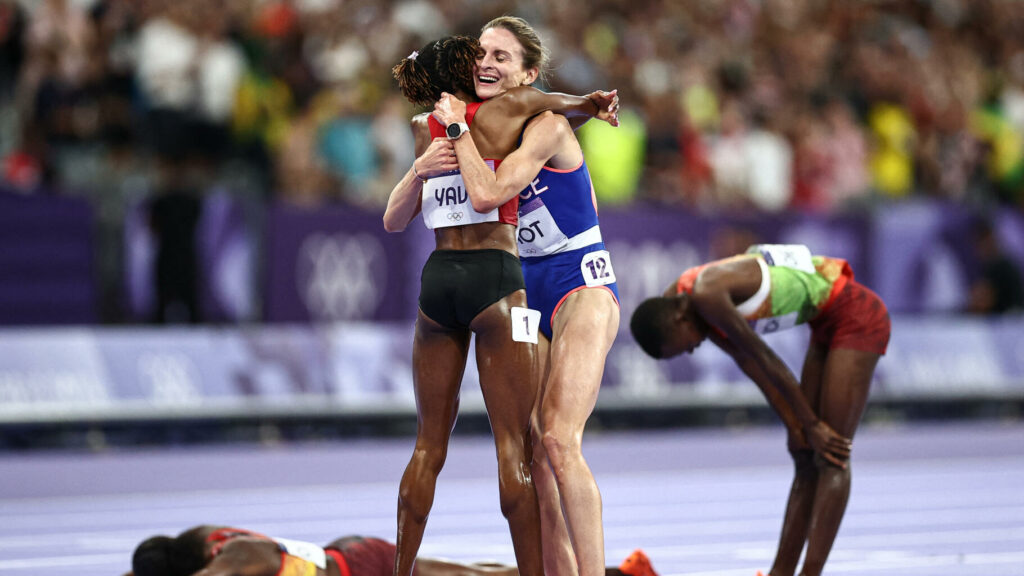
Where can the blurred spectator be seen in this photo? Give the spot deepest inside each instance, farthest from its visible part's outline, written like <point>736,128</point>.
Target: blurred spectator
<point>345,143</point>
<point>302,177</point>
<point>116,22</point>
<point>27,168</point>
<point>771,165</point>
<point>189,71</point>
<point>730,163</point>
<point>173,216</point>
<point>166,72</point>
<point>12,48</point>
<point>892,160</point>
<point>998,288</point>
<point>846,153</point>
<point>728,105</point>
<point>394,144</point>
<point>219,66</point>
<point>61,29</point>
<point>812,166</point>
<point>615,157</point>
<point>1004,147</point>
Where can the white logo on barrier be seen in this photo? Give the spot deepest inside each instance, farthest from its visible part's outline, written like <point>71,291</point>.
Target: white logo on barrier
<point>341,277</point>
<point>171,378</point>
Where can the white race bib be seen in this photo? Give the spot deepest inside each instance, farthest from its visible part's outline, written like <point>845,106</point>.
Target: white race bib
<point>525,324</point>
<point>445,202</point>
<point>538,233</point>
<point>596,268</point>
<point>305,550</point>
<point>772,325</point>
<point>795,256</point>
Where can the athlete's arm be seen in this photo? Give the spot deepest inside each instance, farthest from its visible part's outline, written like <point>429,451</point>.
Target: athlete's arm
<point>527,101</point>
<point>753,371</point>
<point>433,157</point>
<point>487,189</point>
<point>712,297</point>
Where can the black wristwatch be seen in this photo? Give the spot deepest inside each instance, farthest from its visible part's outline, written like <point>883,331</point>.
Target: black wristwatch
<point>456,129</point>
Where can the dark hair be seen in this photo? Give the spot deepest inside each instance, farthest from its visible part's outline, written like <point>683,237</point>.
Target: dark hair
<point>651,323</point>
<point>535,54</point>
<point>166,556</point>
<point>445,65</point>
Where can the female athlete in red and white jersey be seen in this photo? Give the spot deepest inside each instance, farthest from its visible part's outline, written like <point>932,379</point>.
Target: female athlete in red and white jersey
<point>471,284</point>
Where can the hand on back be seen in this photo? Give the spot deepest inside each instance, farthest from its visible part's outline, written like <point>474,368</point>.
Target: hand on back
<point>437,159</point>
<point>449,109</point>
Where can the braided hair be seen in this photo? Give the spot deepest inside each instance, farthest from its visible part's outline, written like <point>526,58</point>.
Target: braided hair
<point>445,65</point>
<point>166,556</point>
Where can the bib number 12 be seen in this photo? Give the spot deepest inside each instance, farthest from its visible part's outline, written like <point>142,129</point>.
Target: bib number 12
<point>596,268</point>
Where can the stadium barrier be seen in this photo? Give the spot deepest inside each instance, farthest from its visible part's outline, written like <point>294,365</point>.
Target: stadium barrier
<point>361,369</point>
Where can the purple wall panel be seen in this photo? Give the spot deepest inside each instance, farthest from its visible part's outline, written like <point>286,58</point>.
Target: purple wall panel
<point>338,263</point>
<point>46,260</point>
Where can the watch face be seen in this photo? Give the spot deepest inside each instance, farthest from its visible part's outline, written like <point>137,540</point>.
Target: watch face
<point>454,130</point>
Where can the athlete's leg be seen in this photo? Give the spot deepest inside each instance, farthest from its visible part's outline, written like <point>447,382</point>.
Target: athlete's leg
<point>583,331</point>
<point>558,555</point>
<point>440,567</point>
<point>508,381</point>
<point>439,360</point>
<point>844,395</point>
<point>797,520</point>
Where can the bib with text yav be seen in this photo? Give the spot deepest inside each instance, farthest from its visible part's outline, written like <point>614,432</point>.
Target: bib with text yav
<point>446,202</point>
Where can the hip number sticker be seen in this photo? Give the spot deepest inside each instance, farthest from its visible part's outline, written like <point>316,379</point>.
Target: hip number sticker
<point>597,269</point>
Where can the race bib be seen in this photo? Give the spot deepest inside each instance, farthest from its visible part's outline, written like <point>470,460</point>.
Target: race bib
<point>305,550</point>
<point>525,324</point>
<point>795,256</point>
<point>772,325</point>
<point>596,268</point>
<point>538,233</point>
<point>445,202</point>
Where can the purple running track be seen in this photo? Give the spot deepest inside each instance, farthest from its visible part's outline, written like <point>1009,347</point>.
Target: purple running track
<point>928,500</point>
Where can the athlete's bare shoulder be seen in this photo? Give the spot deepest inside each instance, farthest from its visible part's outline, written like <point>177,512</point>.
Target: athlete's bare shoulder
<point>420,131</point>
<point>419,120</point>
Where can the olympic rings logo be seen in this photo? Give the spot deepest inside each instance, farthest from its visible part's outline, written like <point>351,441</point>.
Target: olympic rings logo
<point>455,216</point>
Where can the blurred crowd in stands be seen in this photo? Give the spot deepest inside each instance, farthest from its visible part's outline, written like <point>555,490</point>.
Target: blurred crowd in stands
<point>728,105</point>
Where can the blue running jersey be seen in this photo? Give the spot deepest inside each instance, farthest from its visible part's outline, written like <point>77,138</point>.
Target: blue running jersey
<point>557,212</point>
<point>560,243</point>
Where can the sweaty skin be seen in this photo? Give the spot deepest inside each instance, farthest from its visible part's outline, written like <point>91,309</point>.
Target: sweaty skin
<point>440,353</point>
<point>572,362</point>
<point>821,411</point>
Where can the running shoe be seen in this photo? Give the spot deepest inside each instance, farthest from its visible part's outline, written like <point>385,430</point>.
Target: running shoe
<point>638,564</point>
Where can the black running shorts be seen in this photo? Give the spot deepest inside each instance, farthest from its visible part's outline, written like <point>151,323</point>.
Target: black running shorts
<point>456,285</point>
